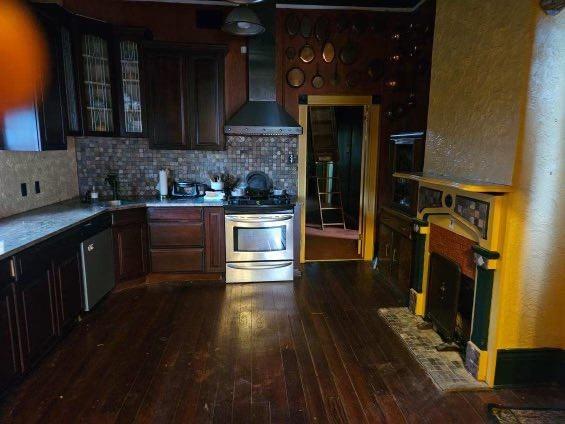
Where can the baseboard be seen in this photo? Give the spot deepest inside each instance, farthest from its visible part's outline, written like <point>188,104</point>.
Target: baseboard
<point>521,367</point>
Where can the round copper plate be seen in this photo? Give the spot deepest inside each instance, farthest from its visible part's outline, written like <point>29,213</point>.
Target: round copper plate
<point>322,29</point>
<point>290,53</point>
<point>307,54</point>
<point>292,24</point>
<point>295,77</point>
<point>349,53</point>
<point>306,27</point>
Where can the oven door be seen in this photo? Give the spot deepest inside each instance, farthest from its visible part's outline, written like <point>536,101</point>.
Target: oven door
<point>267,237</point>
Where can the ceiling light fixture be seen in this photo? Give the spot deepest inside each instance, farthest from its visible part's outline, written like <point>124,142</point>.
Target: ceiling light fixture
<point>243,21</point>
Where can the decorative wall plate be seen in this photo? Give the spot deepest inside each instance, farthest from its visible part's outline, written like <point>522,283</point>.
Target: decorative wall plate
<point>295,77</point>
<point>322,30</point>
<point>292,24</point>
<point>328,52</point>
<point>307,54</point>
<point>318,79</point>
<point>342,23</point>
<point>290,53</point>
<point>349,53</point>
<point>306,27</point>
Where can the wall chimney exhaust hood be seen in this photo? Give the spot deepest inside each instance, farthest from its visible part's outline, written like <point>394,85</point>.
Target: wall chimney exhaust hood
<point>262,115</point>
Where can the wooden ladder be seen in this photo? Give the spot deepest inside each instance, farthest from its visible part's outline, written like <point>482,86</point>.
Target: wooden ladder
<point>327,206</point>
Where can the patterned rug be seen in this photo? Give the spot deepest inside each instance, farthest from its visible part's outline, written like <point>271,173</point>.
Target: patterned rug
<point>507,415</point>
<point>446,369</point>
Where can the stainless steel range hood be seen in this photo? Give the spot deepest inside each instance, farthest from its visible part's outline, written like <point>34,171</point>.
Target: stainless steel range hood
<point>262,115</point>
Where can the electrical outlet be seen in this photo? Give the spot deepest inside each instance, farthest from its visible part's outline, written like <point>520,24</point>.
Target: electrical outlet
<point>37,187</point>
<point>23,186</point>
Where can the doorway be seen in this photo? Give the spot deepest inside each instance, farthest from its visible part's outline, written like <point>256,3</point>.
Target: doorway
<point>337,177</point>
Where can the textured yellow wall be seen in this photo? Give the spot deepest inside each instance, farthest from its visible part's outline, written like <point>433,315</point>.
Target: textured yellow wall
<point>533,313</point>
<point>497,113</point>
<point>479,74</point>
<point>56,172</point>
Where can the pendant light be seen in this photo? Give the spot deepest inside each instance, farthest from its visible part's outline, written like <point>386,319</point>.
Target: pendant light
<point>242,20</point>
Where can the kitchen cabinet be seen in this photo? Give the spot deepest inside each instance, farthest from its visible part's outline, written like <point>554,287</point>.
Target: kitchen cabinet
<point>129,229</point>
<point>36,304</point>
<point>41,125</point>
<point>215,240</point>
<point>10,366</point>
<point>128,53</point>
<point>92,41</point>
<point>395,252</point>
<point>185,96</point>
<point>67,273</point>
<point>187,240</point>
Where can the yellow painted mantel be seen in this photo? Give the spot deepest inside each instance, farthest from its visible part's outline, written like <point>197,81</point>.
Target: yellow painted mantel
<point>459,183</point>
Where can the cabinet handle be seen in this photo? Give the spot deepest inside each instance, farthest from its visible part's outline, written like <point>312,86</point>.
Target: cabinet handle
<point>12,268</point>
<point>386,251</point>
<point>393,255</point>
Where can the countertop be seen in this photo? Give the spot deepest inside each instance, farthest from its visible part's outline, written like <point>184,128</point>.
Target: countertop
<point>24,230</point>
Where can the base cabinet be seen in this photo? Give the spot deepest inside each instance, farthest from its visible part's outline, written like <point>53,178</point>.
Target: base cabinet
<point>68,286</point>
<point>37,316</point>
<point>129,228</point>
<point>10,366</point>
<point>395,252</point>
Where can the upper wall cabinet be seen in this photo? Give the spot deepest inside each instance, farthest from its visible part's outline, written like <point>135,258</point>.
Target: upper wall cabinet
<point>128,51</point>
<point>98,91</point>
<point>41,124</point>
<point>185,96</point>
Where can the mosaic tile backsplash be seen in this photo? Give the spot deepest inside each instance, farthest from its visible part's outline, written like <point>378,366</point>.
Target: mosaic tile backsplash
<point>138,166</point>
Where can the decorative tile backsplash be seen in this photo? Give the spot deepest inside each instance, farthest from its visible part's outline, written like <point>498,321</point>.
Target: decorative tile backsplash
<point>475,211</point>
<point>138,166</point>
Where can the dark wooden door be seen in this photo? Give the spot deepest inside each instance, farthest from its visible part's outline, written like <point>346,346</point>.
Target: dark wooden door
<point>215,251</point>
<point>207,101</point>
<point>10,352</point>
<point>68,286</point>
<point>167,98</point>
<point>130,250</point>
<point>36,313</point>
<point>385,250</point>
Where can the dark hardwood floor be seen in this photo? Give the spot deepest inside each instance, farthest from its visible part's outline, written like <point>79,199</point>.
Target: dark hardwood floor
<point>312,351</point>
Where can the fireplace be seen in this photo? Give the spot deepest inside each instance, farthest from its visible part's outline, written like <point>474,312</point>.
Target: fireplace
<point>459,236</point>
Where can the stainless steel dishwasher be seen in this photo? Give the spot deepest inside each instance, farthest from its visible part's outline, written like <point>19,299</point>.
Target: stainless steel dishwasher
<point>97,253</point>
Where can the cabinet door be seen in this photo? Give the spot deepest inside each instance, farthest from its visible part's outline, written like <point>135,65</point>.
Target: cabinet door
<point>404,250</point>
<point>10,352</point>
<point>36,314</point>
<point>68,286</point>
<point>130,250</point>
<point>215,252</point>
<point>167,95</point>
<point>131,105</point>
<point>92,42</point>
<point>385,250</point>
<point>207,101</point>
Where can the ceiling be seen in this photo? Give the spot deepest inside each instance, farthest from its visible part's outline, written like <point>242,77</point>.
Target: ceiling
<point>400,5</point>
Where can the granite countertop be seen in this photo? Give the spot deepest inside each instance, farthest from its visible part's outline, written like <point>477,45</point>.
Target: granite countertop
<point>24,230</point>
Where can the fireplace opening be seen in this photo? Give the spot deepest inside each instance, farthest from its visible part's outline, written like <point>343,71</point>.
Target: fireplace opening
<point>450,301</point>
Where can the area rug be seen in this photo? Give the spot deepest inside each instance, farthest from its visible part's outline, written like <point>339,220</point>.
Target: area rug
<point>509,415</point>
<point>446,369</point>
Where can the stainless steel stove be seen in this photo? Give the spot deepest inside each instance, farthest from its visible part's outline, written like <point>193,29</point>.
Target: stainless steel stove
<point>259,239</point>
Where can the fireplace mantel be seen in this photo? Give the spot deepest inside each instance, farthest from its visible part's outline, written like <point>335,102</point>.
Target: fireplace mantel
<point>461,184</point>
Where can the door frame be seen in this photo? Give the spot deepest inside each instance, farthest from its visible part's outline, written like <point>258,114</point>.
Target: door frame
<point>371,127</point>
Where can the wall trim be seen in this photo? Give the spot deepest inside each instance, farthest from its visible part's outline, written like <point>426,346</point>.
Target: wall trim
<point>521,367</point>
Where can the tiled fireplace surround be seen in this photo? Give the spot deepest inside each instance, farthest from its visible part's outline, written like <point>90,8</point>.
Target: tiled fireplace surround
<point>465,227</point>
<point>138,166</point>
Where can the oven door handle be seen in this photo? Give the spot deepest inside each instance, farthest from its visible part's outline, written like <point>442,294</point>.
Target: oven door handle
<point>260,266</point>
<point>258,220</point>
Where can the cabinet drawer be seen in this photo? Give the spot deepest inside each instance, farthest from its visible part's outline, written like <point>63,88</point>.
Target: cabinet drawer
<point>129,216</point>
<point>397,223</point>
<point>175,234</point>
<point>31,262</point>
<point>175,214</point>
<point>177,260</point>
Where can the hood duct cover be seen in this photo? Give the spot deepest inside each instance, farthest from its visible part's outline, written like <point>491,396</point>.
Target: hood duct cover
<point>262,115</point>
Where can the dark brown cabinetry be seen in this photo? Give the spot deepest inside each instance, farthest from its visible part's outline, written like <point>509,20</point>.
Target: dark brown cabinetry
<point>42,124</point>
<point>10,366</point>
<point>215,240</point>
<point>35,291</point>
<point>187,240</point>
<point>129,228</point>
<point>68,288</point>
<point>396,252</point>
<point>185,96</point>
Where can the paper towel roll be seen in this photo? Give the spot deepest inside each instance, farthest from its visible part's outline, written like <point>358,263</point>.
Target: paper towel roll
<point>163,185</point>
